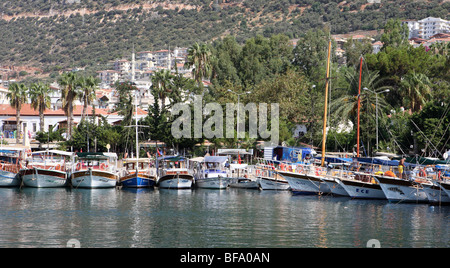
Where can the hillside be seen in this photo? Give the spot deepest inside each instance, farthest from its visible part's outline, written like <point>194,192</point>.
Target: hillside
<point>64,33</point>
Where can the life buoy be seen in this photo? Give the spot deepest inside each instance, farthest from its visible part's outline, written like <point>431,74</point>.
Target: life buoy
<point>299,169</point>
<point>289,168</point>
<point>258,172</point>
<point>102,166</point>
<point>422,173</point>
<point>58,167</point>
<point>78,167</point>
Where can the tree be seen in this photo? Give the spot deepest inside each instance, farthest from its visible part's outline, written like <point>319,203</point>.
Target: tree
<point>395,34</point>
<point>310,54</point>
<point>69,92</point>
<point>416,89</point>
<point>199,57</point>
<point>161,86</point>
<point>40,100</point>
<point>88,86</point>
<point>345,107</point>
<point>124,107</point>
<point>17,95</point>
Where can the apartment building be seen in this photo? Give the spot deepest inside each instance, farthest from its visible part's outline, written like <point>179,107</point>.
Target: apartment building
<point>427,27</point>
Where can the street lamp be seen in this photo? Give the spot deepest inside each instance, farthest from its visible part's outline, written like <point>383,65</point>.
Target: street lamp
<point>376,106</point>
<point>238,95</point>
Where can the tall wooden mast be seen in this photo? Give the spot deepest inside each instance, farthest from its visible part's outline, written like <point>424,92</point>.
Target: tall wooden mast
<point>324,139</point>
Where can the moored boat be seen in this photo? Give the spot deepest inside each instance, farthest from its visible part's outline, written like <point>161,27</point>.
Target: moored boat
<point>305,179</point>
<point>362,186</point>
<point>214,173</point>
<point>47,169</point>
<point>94,170</point>
<point>434,192</point>
<point>401,190</point>
<point>241,177</point>
<point>174,173</point>
<point>269,179</point>
<point>10,162</point>
<point>138,173</point>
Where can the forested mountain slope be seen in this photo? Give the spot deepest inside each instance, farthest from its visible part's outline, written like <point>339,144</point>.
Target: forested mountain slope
<point>67,33</point>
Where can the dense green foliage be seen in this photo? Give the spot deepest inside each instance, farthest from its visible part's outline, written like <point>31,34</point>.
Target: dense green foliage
<point>251,52</point>
<point>88,32</point>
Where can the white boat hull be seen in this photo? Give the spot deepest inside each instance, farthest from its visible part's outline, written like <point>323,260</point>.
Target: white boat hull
<point>42,178</point>
<point>305,184</point>
<point>272,184</point>
<point>335,187</point>
<point>398,190</point>
<point>213,183</point>
<point>175,182</point>
<point>435,194</point>
<point>9,179</point>
<point>445,186</point>
<point>362,190</point>
<point>244,183</point>
<point>93,179</point>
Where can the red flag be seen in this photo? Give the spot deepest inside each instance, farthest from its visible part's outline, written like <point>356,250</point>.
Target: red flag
<point>239,158</point>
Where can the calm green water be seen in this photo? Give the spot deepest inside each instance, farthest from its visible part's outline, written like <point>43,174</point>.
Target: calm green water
<point>234,218</point>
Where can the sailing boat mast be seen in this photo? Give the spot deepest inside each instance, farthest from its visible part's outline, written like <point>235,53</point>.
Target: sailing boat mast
<point>324,139</point>
<point>359,107</point>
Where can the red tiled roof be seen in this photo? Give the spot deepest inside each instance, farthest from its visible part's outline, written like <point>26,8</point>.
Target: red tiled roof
<point>6,109</point>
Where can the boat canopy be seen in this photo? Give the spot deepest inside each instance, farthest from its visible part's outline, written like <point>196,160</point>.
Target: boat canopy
<point>133,160</point>
<point>426,161</point>
<point>216,159</point>
<point>381,161</point>
<point>53,152</point>
<point>336,160</point>
<point>171,158</point>
<point>92,156</point>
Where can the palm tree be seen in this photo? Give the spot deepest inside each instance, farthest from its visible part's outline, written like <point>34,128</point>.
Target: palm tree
<point>17,96</point>
<point>69,83</point>
<point>40,100</point>
<point>416,87</point>
<point>88,86</point>
<point>161,86</point>
<point>346,106</point>
<point>199,56</point>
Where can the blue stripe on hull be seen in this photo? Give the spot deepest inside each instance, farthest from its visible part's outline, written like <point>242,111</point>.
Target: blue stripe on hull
<point>138,183</point>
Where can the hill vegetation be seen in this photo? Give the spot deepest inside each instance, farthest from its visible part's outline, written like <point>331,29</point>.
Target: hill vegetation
<point>65,33</point>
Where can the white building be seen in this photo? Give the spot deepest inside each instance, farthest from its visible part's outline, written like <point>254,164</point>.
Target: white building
<point>427,27</point>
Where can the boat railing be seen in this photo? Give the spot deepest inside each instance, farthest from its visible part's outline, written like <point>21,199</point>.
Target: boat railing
<point>9,167</point>
<point>174,171</point>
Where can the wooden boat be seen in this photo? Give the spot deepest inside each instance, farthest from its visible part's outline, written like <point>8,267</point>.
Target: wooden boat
<point>306,179</point>
<point>94,170</point>
<point>214,173</point>
<point>240,177</point>
<point>47,169</point>
<point>10,163</point>
<point>361,186</point>
<point>269,179</point>
<point>401,190</point>
<point>138,173</point>
<point>174,173</point>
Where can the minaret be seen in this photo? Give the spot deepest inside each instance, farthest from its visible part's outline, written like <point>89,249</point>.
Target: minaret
<point>133,63</point>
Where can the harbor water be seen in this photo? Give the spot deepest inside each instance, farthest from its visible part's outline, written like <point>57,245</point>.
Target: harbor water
<point>200,218</point>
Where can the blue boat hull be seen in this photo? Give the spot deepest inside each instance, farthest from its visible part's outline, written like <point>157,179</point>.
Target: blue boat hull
<point>138,182</point>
